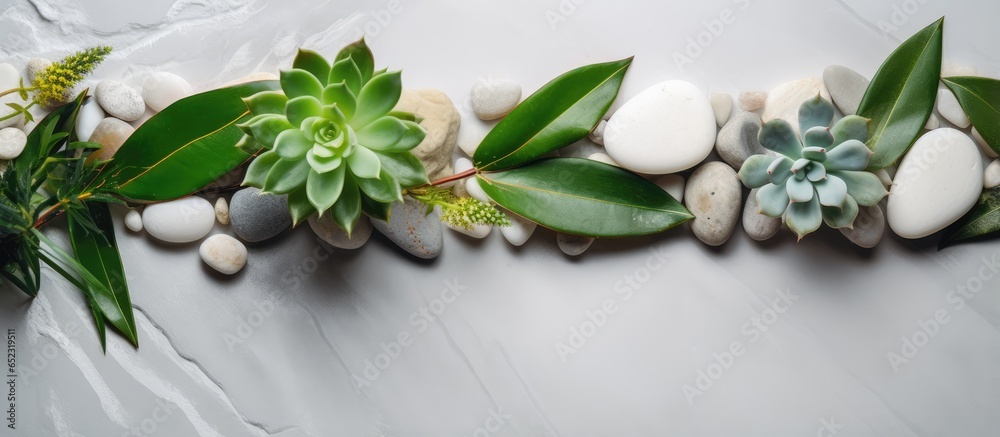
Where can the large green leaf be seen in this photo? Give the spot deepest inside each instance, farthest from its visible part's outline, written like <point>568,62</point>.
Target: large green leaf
<point>182,149</point>
<point>980,98</point>
<point>982,220</point>
<point>584,197</point>
<point>901,96</point>
<point>559,114</point>
<point>98,253</point>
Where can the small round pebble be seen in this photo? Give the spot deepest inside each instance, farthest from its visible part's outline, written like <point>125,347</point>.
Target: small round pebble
<point>179,221</point>
<point>12,142</point>
<point>520,229</point>
<point>494,98</point>
<point>722,104</point>
<point>162,89</point>
<point>758,226</point>
<point>223,253</point>
<point>573,245</point>
<point>933,122</point>
<point>120,100</point>
<point>88,118</point>
<point>110,133</point>
<point>476,191</point>
<point>479,231</point>
<point>869,227</point>
<point>35,67</point>
<point>133,221</point>
<point>752,100</point>
<point>597,135</point>
<point>329,231</point>
<point>222,211</point>
<point>713,194</point>
<point>983,145</point>
<point>991,176</point>
<point>603,157</point>
<point>673,184</point>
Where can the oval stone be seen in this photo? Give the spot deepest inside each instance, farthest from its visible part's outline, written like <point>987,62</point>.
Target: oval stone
<point>179,221</point>
<point>937,182</point>
<point>714,195</point>
<point>667,128</point>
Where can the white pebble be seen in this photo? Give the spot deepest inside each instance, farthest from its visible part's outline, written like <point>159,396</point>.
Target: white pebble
<point>88,118</point>
<point>471,134</point>
<point>223,253</point>
<point>950,109</point>
<point>35,67</point>
<point>133,221</point>
<point>991,176</point>
<point>573,245</point>
<point>12,142</point>
<point>462,164</point>
<point>520,229</point>
<point>478,230</point>
<point>783,101</point>
<point>673,184</point>
<point>602,157</point>
<point>597,135</point>
<point>120,100</point>
<point>222,211</point>
<point>752,100</point>
<point>494,98</point>
<point>933,122</point>
<point>162,89</point>
<point>983,145</point>
<point>472,186</point>
<point>179,221</point>
<point>722,104</point>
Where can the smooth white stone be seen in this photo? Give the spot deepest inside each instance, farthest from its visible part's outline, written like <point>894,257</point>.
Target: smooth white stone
<point>110,133</point>
<point>951,110</point>
<point>222,211</point>
<point>179,221</point>
<point>88,118</point>
<point>938,181</point>
<point>991,176</point>
<point>474,190</point>
<point>673,184</point>
<point>784,101</point>
<point>722,105</point>
<point>12,142</point>
<point>463,164</point>
<point>983,145</point>
<point>223,253</point>
<point>667,128</point>
<point>713,195</point>
<point>120,100</point>
<point>495,98</point>
<point>520,229</point>
<point>329,231</point>
<point>933,122</point>
<point>752,100</point>
<point>602,157</point>
<point>478,230</point>
<point>597,135</point>
<point>162,89</point>
<point>10,78</point>
<point>868,227</point>
<point>471,134</point>
<point>35,67</point>
<point>847,87</point>
<point>758,226</point>
<point>133,221</point>
<point>573,245</point>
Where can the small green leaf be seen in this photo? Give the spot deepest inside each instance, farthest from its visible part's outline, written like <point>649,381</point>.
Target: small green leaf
<point>382,134</point>
<point>347,210</point>
<point>323,189</point>
<point>299,109</point>
<point>286,175</point>
<point>292,145</point>
<point>364,163</point>
<point>314,63</point>
<point>346,72</point>
<point>384,188</point>
<point>901,96</point>
<point>584,197</point>
<point>265,128</point>
<point>377,98</point>
<point>339,94</point>
<point>851,127</point>
<point>983,220</point>
<point>562,112</point>
<point>267,102</point>
<point>362,56</point>
<point>298,83</point>
<point>980,98</point>
<point>98,252</point>
<point>258,169</point>
<point>406,167</point>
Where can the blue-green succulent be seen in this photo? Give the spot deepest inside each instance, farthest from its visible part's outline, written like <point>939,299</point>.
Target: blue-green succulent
<point>817,178</point>
<point>331,140</point>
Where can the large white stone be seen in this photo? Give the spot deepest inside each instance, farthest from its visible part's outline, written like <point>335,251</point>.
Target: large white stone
<point>937,182</point>
<point>667,128</point>
<point>162,89</point>
<point>179,221</point>
<point>783,102</point>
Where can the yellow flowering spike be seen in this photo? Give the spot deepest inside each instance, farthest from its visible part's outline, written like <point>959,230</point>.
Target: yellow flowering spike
<point>56,83</point>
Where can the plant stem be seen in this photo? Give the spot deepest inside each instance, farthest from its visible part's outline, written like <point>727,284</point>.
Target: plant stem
<point>459,176</point>
<point>14,90</point>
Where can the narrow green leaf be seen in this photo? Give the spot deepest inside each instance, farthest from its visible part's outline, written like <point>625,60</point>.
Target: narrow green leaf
<point>982,220</point>
<point>901,96</point>
<point>562,112</point>
<point>980,98</point>
<point>183,148</point>
<point>98,253</point>
<point>584,197</point>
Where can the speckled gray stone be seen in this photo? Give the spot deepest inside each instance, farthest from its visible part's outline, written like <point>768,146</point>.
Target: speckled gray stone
<point>713,194</point>
<point>120,100</point>
<point>412,229</point>
<point>256,216</point>
<point>758,226</point>
<point>847,87</point>
<point>737,140</point>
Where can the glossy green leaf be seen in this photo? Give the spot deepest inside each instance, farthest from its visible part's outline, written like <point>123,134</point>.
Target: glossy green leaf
<point>980,98</point>
<point>183,148</point>
<point>901,96</point>
<point>99,254</point>
<point>562,112</point>
<point>584,197</point>
<point>384,188</point>
<point>312,62</point>
<point>982,220</point>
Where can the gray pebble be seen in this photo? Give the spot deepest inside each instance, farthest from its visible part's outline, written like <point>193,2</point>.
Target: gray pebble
<point>738,140</point>
<point>412,229</point>
<point>256,216</point>
<point>868,227</point>
<point>713,194</point>
<point>758,226</point>
<point>847,87</point>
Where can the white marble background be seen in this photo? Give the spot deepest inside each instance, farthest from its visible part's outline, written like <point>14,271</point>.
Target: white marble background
<point>288,347</point>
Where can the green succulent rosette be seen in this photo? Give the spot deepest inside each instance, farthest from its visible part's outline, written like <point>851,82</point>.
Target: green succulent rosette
<point>330,139</point>
<point>817,178</point>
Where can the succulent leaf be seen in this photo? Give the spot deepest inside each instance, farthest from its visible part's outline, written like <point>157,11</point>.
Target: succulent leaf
<point>772,200</point>
<point>364,163</point>
<point>266,128</point>
<point>298,83</point>
<point>258,169</point>
<point>312,62</point>
<point>292,145</point>
<point>299,109</point>
<point>323,189</point>
<point>778,135</point>
<point>799,166</point>
<point>780,170</point>
<point>377,98</point>
<point>804,217</point>
<point>851,155</point>
<point>381,134</point>
<point>851,127</point>
<point>754,172</point>
<point>799,190</point>
<point>299,206</point>
<point>384,188</point>
<point>815,112</point>
<point>362,56</point>
<point>841,217</point>
<point>346,72</point>
<point>414,135</point>
<point>818,137</point>
<point>407,168</point>
<point>347,210</point>
<point>342,96</point>
<point>832,191</point>
<point>267,102</point>
<point>863,186</point>
<point>815,154</point>
<point>285,176</point>
<point>816,172</point>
